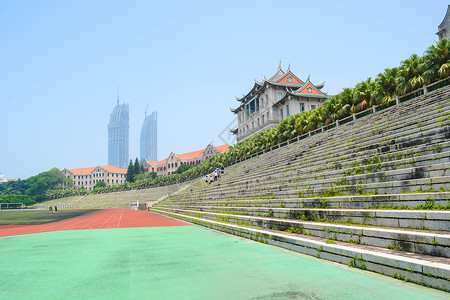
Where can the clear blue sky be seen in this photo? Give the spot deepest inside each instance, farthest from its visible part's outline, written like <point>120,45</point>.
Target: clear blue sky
<point>61,62</point>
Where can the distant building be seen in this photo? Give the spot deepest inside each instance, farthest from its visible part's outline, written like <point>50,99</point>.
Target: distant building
<point>170,164</point>
<point>444,27</point>
<point>273,100</point>
<point>3,178</point>
<point>118,136</point>
<point>88,177</point>
<point>149,137</point>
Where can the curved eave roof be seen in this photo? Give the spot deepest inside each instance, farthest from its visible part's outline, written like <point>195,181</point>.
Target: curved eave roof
<point>288,94</point>
<point>255,88</point>
<point>311,96</point>
<point>278,75</point>
<point>285,84</point>
<point>235,110</point>
<point>445,18</point>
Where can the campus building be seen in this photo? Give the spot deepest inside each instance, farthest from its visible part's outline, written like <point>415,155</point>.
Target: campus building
<point>118,136</point>
<point>170,164</point>
<point>444,27</point>
<point>273,100</point>
<point>3,178</point>
<point>88,177</point>
<point>149,137</point>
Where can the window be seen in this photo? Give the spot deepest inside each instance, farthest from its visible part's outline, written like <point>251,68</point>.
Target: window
<point>313,106</point>
<point>252,106</point>
<point>280,95</point>
<point>281,113</point>
<point>268,116</point>
<point>289,79</point>
<point>257,104</point>
<point>309,90</point>
<point>262,119</point>
<point>258,121</point>
<point>302,107</point>
<point>287,110</point>
<point>253,124</point>
<point>267,100</point>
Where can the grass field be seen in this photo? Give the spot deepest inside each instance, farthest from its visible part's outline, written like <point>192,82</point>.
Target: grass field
<point>33,217</point>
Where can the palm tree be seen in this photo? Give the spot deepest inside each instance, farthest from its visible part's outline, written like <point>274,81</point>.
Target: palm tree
<point>437,61</point>
<point>386,85</point>
<point>411,74</point>
<point>363,94</point>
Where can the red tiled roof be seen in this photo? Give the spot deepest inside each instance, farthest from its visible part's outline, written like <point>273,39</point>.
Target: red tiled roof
<point>222,149</point>
<point>87,171</point>
<point>295,79</point>
<point>112,169</point>
<point>304,89</point>
<point>81,171</point>
<point>191,155</point>
<point>156,163</point>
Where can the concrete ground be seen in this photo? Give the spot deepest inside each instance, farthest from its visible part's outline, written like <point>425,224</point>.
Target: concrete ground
<point>177,262</point>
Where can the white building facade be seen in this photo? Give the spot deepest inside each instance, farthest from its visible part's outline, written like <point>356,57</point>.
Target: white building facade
<point>273,100</point>
<point>170,164</point>
<point>88,177</point>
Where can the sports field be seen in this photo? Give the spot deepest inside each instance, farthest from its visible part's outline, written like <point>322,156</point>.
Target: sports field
<point>167,261</point>
<point>35,216</point>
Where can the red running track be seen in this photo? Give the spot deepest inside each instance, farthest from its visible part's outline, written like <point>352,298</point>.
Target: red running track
<point>108,218</point>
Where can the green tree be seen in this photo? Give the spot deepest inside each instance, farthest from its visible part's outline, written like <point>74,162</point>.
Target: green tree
<point>130,172</point>
<point>99,184</point>
<point>182,168</point>
<point>411,74</point>
<point>386,85</point>
<point>36,186</point>
<point>437,61</point>
<point>137,167</point>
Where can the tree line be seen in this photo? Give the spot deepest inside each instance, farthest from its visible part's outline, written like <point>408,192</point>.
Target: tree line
<point>34,188</point>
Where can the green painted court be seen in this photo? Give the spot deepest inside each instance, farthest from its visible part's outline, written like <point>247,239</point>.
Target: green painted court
<point>179,262</point>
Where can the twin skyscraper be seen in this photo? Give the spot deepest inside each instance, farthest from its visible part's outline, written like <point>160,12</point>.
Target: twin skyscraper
<point>118,136</point>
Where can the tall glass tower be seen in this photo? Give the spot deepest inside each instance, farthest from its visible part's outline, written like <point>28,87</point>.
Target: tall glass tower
<point>118,136</point>
<point>149,142</point>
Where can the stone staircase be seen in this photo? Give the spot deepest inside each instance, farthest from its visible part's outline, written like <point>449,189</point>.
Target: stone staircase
<point>373,194</point>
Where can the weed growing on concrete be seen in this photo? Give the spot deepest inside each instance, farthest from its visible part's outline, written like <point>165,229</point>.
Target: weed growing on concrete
<point>395,246</point>
<point>294,229</point>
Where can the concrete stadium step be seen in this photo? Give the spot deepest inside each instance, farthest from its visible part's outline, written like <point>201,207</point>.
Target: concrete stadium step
<point>429,243</point>
<point>433,184</point>
<point>337,178</point>
<point>410,219</point>
<point>412,161</point>
<point>422,269</point>
<point>326,162</point>
<point>350,202</point>
<point>402,128</point>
